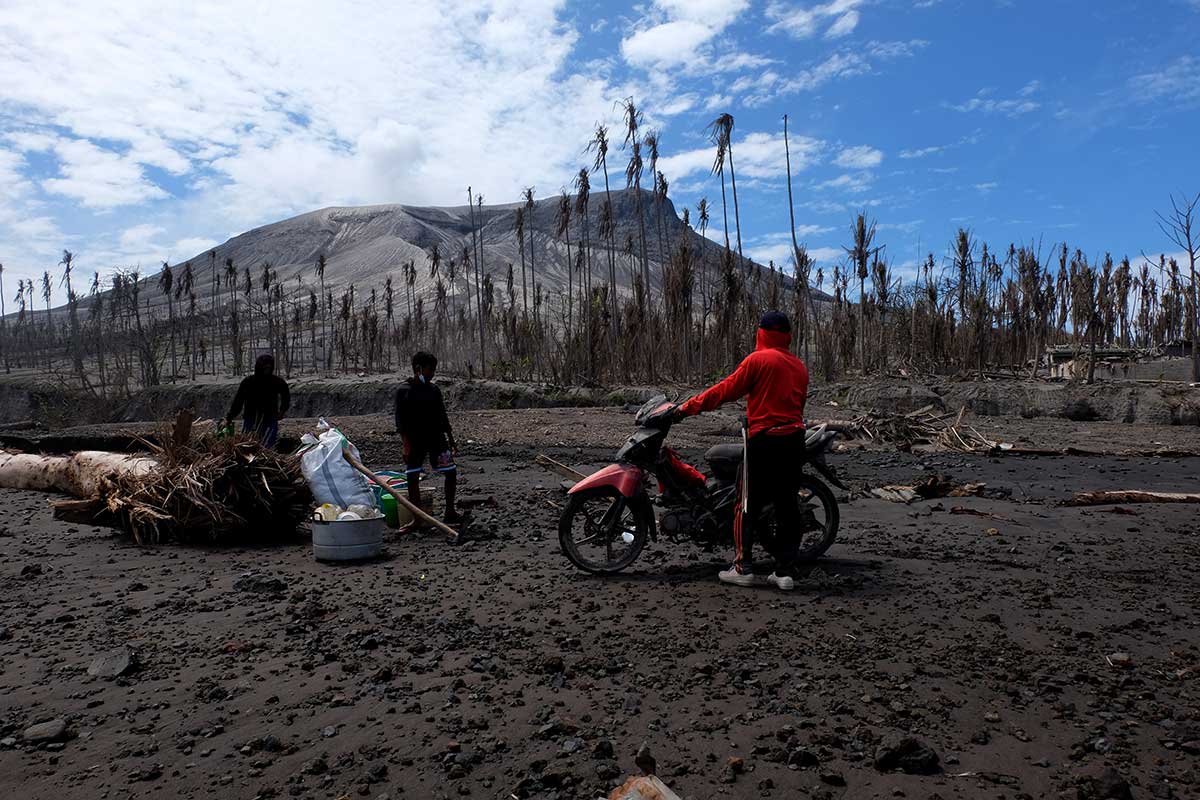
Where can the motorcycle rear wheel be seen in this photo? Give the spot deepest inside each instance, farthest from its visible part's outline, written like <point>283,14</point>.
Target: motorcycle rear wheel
<point>819,515</point>
<point>595,537</point>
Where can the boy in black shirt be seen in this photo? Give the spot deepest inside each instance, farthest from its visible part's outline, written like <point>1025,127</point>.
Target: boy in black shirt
<point>424,427</point>
<point>265,398</point>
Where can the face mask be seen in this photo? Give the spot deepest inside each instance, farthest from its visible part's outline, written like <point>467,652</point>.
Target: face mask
<point>421,377</point>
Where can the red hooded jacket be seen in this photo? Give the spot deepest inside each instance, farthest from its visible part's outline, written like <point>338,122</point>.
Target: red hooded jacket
<point>776,382</point>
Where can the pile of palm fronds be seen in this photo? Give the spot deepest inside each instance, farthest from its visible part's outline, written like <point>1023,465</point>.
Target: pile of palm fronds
<point>210,491</point>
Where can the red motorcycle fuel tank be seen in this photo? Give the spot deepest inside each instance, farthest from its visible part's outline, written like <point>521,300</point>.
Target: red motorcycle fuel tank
<point>625,478</point>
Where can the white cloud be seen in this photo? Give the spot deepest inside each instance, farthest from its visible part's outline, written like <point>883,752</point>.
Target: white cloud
<point>853,183</point>
<point>826,255</point>
<point>665,45</point>
<point>98,178</point>
<point>717,102</point>
<point>1015,107</point>
<point>838,65</point>
<point>843,26</point>
<point>889,50</point>
<point>986,187</point>
<point>780,253</point>
<point>1030,88</point>
<point>756,155</point>
<point>677,33</point>
<point>804,23</point>
<point>777,247</point>
<point>715,13</point>
<point>262,114</point>
<point>922,151</point>
<point>859,157</point>
<point>139,236</point>
<point>1178,82</point>
<point>676,105</point>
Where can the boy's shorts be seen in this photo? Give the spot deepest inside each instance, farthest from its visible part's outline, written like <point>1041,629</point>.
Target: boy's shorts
<point>436,451</point>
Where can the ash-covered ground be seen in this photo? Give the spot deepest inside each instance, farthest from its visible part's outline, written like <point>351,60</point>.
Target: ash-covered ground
<point>1041,651</point>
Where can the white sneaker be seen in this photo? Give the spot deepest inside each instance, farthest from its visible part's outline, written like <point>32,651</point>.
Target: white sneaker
<point>731,575</point>
<point>784,583</point>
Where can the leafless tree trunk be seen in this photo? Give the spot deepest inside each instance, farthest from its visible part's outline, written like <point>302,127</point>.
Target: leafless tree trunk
<point>1178,225</point>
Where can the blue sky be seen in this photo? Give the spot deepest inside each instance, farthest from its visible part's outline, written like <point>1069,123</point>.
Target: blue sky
<point>141,131</point>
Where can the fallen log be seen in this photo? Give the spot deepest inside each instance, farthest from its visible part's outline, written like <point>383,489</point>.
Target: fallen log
<point>1130,496</point>
<point>80,475</point>
<point>974,512</point>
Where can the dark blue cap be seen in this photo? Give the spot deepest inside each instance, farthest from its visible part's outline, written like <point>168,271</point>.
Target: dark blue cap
<point>775,321</point>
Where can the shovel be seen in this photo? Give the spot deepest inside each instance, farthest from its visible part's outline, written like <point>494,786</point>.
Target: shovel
<point>419,513</point>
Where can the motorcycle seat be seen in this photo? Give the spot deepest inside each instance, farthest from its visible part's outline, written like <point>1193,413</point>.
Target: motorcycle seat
<point>724,458</point>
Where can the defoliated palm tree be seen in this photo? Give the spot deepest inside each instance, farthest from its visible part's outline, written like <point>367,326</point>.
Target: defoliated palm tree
<point>599,145</point>
<point>582,197</point>
<point>633,177</point>
<point>862,233</point>
<point>266,280</point>
<point>166,282</point>
<point>185,287</point>
<point>529,228</point>
<point>718,168</point>
<point>721,130</point>
<point>3,323</point>
<point>47,291</point>
<point>800,260</point>
<point>519,228</point>
<point>322,263</point>
<point>479,278</point>
<point>705,294</point>
<point>652,140</point>
<point>562,227</point>
<point>248,294</point>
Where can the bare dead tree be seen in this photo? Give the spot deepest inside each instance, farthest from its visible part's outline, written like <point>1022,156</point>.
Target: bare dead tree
<point>1178,225</point>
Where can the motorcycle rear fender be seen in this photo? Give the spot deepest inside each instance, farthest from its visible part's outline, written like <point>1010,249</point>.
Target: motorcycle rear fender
<point>625,478</point>
<point>830,474</point>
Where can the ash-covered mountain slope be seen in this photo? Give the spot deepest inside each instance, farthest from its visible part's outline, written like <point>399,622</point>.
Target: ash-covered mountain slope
<point>365,245</point>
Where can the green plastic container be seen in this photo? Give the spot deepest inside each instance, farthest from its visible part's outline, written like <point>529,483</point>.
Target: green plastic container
<point>390,509</point>
<point>387,504</point>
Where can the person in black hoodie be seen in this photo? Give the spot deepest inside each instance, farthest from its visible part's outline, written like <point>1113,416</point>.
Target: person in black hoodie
<point>425,430</point>
<point>265,398</point>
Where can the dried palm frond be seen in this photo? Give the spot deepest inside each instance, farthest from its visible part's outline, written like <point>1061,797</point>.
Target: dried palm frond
<point>211,491</point>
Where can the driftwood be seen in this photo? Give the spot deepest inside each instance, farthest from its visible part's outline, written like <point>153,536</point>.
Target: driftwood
<point>1130,496</point>
<point>558,468</point>
<point>974,512</point>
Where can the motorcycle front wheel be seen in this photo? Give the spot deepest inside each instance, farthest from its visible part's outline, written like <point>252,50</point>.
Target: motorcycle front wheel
<point>819,519</point>
<point>602,532</point>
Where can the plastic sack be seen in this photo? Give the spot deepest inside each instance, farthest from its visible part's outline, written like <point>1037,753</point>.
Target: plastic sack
<point>329,475</point>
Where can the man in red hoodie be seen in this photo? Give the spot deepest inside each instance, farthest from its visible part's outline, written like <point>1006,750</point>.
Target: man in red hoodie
<point>776,383</point>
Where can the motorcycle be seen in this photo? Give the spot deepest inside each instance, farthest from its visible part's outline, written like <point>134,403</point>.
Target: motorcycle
<point>611,514</point>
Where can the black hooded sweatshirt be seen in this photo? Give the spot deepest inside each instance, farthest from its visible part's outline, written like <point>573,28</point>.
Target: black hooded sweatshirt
<point>265,397</point>
<point>421,413</point>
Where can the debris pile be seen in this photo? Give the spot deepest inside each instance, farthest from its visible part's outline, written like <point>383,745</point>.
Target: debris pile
<point>212,491</point>
<point>922,429</point>
<point>932,487</point>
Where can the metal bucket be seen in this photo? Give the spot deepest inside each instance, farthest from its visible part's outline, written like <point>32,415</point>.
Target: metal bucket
<point>351,540</point>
